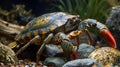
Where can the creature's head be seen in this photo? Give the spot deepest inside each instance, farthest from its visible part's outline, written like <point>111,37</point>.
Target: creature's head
<point>72,23</point>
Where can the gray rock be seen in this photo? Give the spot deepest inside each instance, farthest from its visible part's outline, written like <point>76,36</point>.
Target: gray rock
<point>84,50</point>
<point>52,50</point>
<point>113,23</point>
<point>54,61</point>
<point>81,63</point>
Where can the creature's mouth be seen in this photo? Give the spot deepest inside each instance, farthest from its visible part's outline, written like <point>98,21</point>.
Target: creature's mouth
<point>72,29</point>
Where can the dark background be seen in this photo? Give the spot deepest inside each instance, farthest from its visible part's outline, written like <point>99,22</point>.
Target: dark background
<point>38,6</point>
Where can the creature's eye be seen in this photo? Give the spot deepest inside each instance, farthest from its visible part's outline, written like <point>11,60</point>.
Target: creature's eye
<point>76,19</point>
<point>70,21</point>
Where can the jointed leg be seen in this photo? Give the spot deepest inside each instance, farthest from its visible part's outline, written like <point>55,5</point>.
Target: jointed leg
<point>89,37</point>
<point>26,45</point>
<point>78,32</point>
<point>47,40</point>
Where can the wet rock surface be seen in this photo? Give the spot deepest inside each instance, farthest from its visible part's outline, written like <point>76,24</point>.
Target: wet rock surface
<point>54,61</point>
<point>113,23</point>
<point>52,50</point>
<point>81,63</point>
<point>84,50</point>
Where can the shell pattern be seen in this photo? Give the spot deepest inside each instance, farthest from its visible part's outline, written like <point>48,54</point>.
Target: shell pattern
<point>43,25</point>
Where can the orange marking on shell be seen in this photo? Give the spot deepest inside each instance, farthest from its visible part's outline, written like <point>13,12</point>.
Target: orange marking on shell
<point>23,38</point>
<point>43,31</point>
<point>58,23</point>
<point>51,28</point>
<point>29,35</point>
<point>42,21</point>
<point>37,41</point>
<point>36,32</point>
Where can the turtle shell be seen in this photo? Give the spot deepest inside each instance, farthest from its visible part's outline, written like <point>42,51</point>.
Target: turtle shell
<point>43,25</point>
<point>106,56</point>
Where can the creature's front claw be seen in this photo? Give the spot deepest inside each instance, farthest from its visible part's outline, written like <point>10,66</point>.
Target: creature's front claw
<point>103,30</point>
<point>108,37</point>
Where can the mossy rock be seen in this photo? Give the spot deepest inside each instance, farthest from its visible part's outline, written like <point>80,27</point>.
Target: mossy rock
<point>7,55</point>
<point>106,56</point>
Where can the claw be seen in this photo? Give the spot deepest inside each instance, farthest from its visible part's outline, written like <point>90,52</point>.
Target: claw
<point>108,38</point>
<point>103,30</point>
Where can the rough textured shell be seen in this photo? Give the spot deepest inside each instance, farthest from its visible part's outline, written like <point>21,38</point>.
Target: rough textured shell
<point>44,24</point>
<point>106,55</point>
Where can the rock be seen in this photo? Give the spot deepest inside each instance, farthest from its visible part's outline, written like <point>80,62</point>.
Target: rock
<point>106,56</point>
<point>81,63</point>
<point>84,50</point>
<point>113,23</point>
<point>52,50</point>
<point>7,55</point>
<point>54,61</point>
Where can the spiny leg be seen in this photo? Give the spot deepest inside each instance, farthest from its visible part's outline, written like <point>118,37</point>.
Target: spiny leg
<point>26,45</point>
<point>47,40</point>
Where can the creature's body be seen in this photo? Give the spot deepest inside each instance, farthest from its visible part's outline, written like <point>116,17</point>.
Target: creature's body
<point>46,24</point>
<point>59,27</point>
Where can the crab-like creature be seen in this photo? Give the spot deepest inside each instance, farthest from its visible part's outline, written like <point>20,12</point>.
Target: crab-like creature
<point>42,30</point>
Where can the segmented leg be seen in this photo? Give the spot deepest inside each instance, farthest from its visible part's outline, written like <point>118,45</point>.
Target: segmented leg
<point>78,32</point>
<point>69,49</point>
<point>26,45</point>
<point>47,40</point>
<point>73,34</point>
<point>89,37</point>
